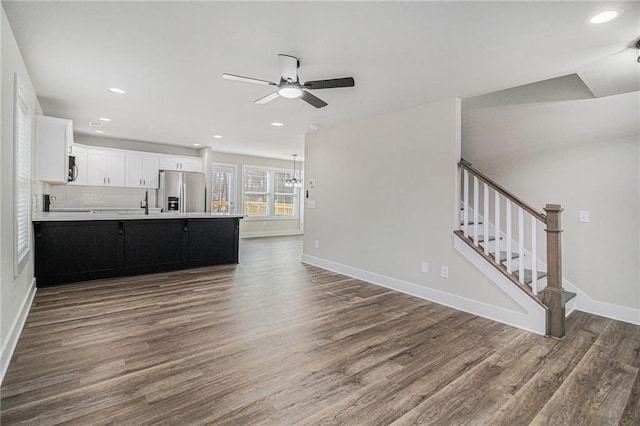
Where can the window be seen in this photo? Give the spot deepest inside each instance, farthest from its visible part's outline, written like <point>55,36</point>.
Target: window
<point>264,193</point>
<point>22,182</point>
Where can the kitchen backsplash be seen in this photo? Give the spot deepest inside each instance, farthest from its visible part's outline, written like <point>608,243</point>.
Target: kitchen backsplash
<point>98,196</point>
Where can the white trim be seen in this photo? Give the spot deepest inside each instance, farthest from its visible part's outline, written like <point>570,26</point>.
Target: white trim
<point>271,233</point>
<point>495,313</point>
<point>9,345</point>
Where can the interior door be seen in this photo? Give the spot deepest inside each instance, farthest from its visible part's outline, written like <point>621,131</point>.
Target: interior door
<point>223,188</point>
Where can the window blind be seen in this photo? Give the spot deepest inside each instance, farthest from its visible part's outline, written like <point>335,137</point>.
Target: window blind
<point>22,190</point>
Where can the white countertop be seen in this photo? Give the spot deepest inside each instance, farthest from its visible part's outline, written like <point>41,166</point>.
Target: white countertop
<point>103,209</point>
<point>137,215</point>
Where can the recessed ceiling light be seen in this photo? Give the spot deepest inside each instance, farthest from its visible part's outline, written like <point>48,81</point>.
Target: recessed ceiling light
<point>99,131</point>
<point>196,144</point>
<point>217,136</point>
<point>277,124</point>
<point>95,124</point>
<point>605,16</point>
<point>117,90</point>
<point>104,119</point>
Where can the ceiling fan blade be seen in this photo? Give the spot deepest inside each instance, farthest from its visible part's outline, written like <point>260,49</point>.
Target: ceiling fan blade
<point>247,79</point>
<point>330,84</point>
<point>312,100</point>
<point>268,98</point>
<point>288,67</point>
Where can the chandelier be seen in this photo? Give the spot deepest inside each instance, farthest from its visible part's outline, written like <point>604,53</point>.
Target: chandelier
<point>292,181</point>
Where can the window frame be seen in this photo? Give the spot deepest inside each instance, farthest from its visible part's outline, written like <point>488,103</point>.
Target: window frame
<point>22,176</point>
<point>270,194</point>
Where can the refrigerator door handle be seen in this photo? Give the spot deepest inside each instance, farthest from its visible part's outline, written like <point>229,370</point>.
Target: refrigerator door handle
<point>184,198</point>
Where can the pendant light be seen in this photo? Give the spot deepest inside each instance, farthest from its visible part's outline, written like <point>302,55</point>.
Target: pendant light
<point>293,182</point>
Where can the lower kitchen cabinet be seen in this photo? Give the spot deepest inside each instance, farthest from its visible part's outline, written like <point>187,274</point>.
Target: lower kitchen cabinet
<point>76,251</point>
<point>71,251</point>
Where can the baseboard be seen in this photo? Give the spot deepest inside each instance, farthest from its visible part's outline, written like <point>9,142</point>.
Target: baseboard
<point>495,313</point>
<point>271,233</point>
<point>585,303</point>
<point>9,345</point>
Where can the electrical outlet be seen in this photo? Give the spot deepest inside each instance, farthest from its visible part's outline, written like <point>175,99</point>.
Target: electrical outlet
<point>444,272</point>
<point>424,266</point>
<point>317,244</point>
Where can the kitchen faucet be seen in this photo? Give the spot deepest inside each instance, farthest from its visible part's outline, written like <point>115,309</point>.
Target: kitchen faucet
<point>146,202</point>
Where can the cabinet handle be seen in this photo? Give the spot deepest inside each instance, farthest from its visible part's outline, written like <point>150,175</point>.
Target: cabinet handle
<point>177,165</point>
<point>109,180</point>
<point>104,180</point>
<point>120,228</point>
<point>144,182</point>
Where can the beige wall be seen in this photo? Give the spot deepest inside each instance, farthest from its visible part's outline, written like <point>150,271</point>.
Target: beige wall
<point>14,290</point>
<point>386,200</point>
<point>584,155</point>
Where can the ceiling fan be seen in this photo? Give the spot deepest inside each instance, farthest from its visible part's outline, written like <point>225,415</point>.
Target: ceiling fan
<point>290,87</point>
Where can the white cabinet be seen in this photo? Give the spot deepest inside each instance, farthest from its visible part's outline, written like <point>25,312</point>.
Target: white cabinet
<point>53,137</point>
<point>181,164</point>
<point>105,167</point>
<point>80,171</point>
<point>141,170</point>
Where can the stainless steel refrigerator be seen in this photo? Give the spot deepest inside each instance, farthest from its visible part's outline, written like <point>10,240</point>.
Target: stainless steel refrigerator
<point>181,192</point>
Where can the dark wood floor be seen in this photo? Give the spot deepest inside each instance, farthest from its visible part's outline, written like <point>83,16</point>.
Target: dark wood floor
<point>274,341</point>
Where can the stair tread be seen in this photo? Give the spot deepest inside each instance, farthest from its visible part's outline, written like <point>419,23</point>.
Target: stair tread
<point>568,295</point>
<point>528,273</point>
<point>481,238</point>
<point>503,256</point>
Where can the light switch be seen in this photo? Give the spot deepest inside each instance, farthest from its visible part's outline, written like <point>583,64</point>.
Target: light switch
<point>311,204</point>
<point>584,216</point>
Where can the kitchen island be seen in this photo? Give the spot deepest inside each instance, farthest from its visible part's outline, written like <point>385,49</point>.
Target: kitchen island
<point>71,247</point>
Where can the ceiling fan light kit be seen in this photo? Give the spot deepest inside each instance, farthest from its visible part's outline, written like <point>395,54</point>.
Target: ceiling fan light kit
<point>290,87</point>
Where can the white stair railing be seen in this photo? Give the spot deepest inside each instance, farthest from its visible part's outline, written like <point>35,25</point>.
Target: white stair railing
<point>518,241</point>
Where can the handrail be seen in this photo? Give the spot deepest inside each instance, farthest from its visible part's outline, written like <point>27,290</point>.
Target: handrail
<point>538,215</point>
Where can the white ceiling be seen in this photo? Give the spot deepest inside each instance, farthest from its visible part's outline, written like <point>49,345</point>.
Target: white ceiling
<point>169,57</point>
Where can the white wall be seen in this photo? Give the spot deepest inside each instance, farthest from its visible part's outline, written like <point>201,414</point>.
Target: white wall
<point>386,200</point>
<point>584,155</point>
<point>15,291</point>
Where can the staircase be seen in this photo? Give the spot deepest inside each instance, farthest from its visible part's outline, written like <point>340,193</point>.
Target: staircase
<point>513,237</point>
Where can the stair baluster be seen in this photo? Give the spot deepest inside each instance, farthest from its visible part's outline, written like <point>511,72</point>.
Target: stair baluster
<point>552,296</point>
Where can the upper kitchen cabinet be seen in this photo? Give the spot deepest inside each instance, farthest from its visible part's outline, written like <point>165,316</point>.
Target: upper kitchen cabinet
<point>53,138</point>
<point>181,164</point>
<point>79,172</point>
<point>141,170</point>
<point>105,167</point>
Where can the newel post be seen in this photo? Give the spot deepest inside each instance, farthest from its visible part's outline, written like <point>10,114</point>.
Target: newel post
<point>554,296</point>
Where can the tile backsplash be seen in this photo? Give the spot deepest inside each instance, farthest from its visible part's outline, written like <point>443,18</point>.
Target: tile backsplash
<point>98,196</point>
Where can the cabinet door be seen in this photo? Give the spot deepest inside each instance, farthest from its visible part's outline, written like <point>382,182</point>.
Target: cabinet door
<point>52,161</point>
<point>80,172</point>
<point>75,251</point>
<point>133,170</point>
<point>115,168</point>
<point>150,171</point>
<point>96,167</point>
<point>191,164</point>
<point>169,163</point>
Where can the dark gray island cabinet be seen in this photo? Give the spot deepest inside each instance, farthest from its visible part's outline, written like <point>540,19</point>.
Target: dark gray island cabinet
<point>77,250</point>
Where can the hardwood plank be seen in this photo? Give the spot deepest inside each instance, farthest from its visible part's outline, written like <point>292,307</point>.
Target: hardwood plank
<point>275,341</point>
